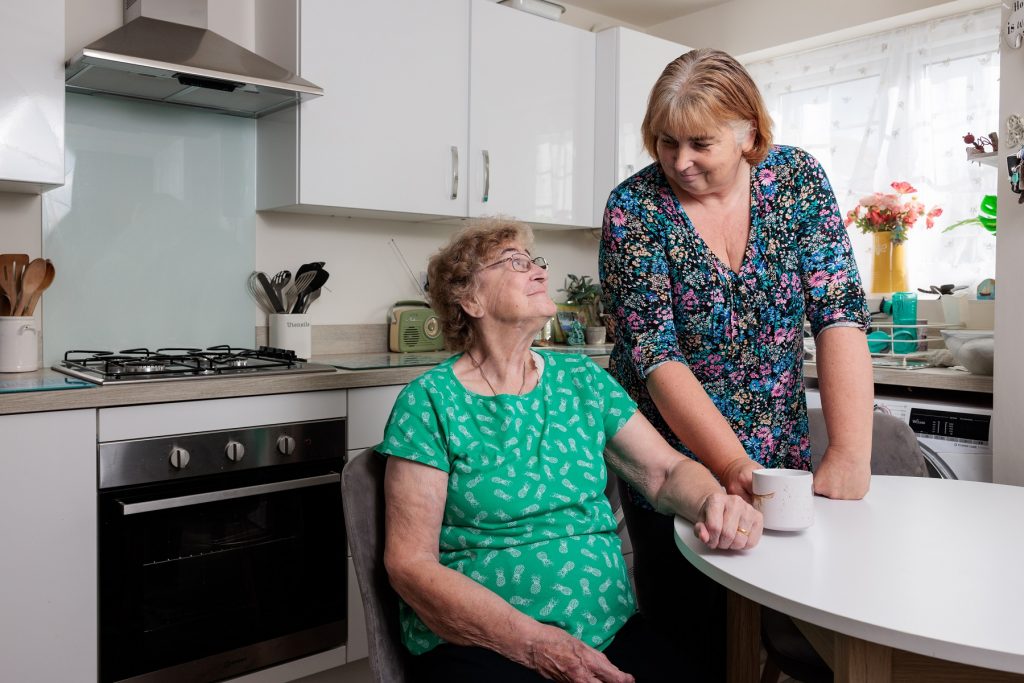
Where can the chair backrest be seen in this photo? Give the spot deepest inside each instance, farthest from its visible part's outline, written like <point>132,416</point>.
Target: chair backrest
<point>894,446</point>
<point>362,486</point>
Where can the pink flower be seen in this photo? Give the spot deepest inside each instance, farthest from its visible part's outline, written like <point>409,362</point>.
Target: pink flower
<point>766,177</point>
<point>818,278</point>
<point>891,212</point>
<point>618,217</point>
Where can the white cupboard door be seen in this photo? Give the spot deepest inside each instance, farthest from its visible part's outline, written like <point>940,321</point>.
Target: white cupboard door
<point>48,573</point>
<point>642,58</point>
<point>390,131</point>
<point>628,65</point>
<point>531,117</point>
<point>31,96</point>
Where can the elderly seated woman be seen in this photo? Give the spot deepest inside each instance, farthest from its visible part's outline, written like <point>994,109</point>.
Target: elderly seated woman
<point>499,538</point>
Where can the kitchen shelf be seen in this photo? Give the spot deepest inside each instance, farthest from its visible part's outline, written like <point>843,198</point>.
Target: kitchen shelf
<point>986,158</point>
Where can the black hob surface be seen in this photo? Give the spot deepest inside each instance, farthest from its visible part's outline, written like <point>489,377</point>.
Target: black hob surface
<point>143,365</point>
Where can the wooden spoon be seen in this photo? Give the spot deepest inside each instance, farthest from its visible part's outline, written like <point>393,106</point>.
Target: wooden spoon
<point>30,282</point>
<point>11,267</point>
<point>51,273</point>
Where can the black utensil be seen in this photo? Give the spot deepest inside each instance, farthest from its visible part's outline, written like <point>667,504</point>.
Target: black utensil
<point>303,302</point>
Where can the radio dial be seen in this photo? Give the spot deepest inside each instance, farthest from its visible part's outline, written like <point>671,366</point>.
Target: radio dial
<point>179,458</point>
<point>235,451</point>
<point>285,445</point>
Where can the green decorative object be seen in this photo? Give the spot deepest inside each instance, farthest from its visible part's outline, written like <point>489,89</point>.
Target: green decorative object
<point>577,336</point>
<point>986,217</point>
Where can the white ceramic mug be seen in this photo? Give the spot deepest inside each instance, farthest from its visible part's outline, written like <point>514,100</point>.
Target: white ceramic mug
<point>19,344</point>
<point>292,331</point>
<point>785,498</point>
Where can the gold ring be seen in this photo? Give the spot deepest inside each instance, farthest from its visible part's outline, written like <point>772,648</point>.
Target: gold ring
<point>745,532</point>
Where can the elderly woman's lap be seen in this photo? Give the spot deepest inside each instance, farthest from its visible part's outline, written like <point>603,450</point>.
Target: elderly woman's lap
<point>638,649</point>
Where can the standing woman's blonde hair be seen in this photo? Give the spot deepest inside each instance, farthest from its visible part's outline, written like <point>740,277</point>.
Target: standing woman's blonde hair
<point>699,91</point>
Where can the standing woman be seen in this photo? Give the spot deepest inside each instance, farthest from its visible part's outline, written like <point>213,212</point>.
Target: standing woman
<point>712,257</point>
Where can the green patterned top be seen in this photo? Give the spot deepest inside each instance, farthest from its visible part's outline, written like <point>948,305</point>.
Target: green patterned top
<point>526,515</point>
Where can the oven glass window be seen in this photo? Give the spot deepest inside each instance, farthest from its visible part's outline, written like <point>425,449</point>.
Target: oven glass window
<point>187,582</point>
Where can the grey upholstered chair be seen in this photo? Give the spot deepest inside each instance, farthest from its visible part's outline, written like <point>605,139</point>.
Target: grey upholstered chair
<point>894,451</point>
<point>362,485</point>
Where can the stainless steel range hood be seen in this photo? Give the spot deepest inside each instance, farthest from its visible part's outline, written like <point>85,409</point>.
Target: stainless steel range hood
<point>165,53</point>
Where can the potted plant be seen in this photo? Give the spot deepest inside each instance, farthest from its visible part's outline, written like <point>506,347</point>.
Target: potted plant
<point>583,292</point>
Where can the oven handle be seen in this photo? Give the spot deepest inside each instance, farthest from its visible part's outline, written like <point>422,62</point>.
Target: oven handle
<point>214,496</point>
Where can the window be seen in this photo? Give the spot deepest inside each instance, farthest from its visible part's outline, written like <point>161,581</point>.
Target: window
<point>895,106</point>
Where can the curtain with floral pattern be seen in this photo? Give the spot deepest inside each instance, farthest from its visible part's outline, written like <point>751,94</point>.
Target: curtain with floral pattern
<point>895,106</point>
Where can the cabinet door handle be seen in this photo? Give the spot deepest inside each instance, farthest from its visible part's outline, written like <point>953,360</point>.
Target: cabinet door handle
<point>487,176</point>
<point>455,173</point>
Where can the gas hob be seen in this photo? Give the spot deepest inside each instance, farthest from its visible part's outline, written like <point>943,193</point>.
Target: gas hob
<point>168,364</point>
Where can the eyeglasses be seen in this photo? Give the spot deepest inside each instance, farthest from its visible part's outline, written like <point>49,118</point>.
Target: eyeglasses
<point>521,263</point>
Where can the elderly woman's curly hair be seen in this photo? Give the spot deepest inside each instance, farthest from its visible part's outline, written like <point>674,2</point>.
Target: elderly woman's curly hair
<point>450,272</point>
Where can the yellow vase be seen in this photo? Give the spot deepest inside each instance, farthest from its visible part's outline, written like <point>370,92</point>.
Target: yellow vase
<point>889,267</point>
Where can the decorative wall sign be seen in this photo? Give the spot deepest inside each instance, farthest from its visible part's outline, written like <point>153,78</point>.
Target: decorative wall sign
<point>1015,25</point>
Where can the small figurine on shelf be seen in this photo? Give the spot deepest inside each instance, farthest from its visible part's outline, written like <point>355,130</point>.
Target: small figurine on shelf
<point>981,142</point>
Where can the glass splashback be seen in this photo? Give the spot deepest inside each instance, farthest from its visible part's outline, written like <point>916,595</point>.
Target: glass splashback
<point>153,233</point>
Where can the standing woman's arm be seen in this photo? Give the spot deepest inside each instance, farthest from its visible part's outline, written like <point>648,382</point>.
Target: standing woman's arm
<point>838,314</point>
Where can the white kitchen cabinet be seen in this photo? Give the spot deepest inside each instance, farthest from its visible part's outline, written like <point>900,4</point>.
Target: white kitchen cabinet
<point>395,107</point>
<point>531,128</point>
<point>31,96</point>
<point>48,563</point>
<point>416,94</point>
<point>628,64</point>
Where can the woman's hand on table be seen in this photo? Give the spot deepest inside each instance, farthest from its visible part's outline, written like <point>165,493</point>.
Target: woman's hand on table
<point>561,657</point>
<point>738,479</point>
<point>843,475</point>
<point>728,522</point>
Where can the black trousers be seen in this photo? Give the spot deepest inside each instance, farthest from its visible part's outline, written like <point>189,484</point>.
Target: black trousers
<point>637,649</point>
<point>687,607</point>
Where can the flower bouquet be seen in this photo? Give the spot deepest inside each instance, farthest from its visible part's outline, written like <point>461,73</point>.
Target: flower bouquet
<point>892,212</point>
<point>888,217</point>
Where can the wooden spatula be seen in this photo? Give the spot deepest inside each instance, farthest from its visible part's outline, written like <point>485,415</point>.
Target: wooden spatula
<point>51,272</point>
<point>31,281</point>
<point>11,267</point>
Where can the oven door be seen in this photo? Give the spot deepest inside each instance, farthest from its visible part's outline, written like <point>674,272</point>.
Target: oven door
<point>207,579</point>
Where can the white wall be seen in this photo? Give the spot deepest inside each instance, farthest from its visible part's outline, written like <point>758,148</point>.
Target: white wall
<point>1008,461</point>
<point>752,28</point>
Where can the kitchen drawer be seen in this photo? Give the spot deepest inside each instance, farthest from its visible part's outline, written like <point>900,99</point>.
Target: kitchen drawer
<point>162,419</point>
<point>369,410</point>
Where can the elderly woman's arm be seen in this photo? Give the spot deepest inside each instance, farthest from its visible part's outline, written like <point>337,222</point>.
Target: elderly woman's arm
<point>676,484</point>
<point>455,607</point>
<point>847,393</point>
<point>693,417</point>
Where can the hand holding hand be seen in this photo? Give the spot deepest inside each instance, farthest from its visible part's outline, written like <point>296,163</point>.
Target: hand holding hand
<point>728,522</point>
<point>737,478</point>
<point>561,657</point>
<point>843,475</point>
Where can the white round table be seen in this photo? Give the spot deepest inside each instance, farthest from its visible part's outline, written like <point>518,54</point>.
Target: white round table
<point>928,566</point>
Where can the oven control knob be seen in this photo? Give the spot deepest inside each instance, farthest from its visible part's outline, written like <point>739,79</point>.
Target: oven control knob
<point>179,458</point>
<point>286,445</point>
<point>235,451</point>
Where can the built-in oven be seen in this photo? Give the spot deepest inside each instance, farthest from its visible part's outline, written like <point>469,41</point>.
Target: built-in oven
<point>220,552</point>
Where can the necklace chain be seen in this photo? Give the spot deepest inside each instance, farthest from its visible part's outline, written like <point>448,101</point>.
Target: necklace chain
<point>491,386</point>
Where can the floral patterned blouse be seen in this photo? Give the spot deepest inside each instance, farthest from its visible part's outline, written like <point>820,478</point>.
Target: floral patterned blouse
<point>741,334</point>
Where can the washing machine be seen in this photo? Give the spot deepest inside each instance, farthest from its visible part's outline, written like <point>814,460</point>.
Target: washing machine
<point>955,438</point>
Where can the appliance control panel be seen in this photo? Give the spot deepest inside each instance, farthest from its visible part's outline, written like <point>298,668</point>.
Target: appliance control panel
<point>169,458</point>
